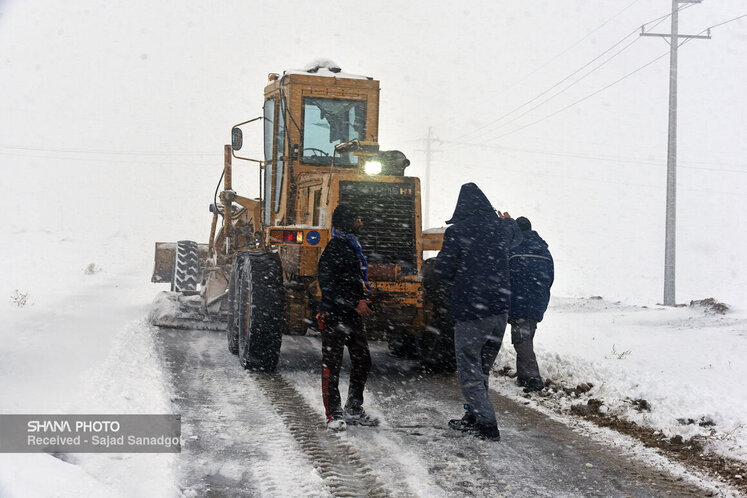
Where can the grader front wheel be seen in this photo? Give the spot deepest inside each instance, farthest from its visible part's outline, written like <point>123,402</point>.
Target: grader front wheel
<point>437,348</point>
<point>234,313</point>
<point>262,301</point>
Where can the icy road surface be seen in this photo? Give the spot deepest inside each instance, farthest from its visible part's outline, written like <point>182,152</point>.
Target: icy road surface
<point>263,435</point>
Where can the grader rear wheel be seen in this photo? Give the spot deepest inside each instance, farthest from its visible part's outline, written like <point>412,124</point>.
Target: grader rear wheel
<point>261,302</point>
<point>186,267</point>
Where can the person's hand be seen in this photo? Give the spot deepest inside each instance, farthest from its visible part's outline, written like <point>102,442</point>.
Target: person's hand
<point>362,309</point>
<point>503,215</point>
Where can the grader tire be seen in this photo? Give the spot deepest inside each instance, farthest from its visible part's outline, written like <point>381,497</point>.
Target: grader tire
<point>437,348</point>
<point>186,267</point>
<point>232,329</point>
<point>402,343</point>
<point>261,306</point>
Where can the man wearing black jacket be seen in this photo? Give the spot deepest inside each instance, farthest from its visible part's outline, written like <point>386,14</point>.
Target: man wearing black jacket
<point>474,257</point>
<point>532,275</point>
<point>342,278</point>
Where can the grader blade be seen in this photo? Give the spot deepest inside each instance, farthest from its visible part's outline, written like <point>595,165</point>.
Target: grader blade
<point>179,311</point>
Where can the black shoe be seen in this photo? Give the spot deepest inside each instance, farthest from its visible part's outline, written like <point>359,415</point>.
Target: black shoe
<point>360,417</point>
<point>487,432</point>
<point>534,385</point>
<point>522,382</point>
<point>464,424</point>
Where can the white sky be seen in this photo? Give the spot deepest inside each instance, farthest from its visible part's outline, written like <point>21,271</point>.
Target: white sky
<point>114,115</point>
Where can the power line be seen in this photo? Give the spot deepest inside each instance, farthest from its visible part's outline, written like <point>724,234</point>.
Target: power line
<point>551,97</point>
<point>658,21</point>
<point>582,99</point>
<point>611,84</point>
<point>597,157</point>
<point>572,46</point>
<point>110,152</point>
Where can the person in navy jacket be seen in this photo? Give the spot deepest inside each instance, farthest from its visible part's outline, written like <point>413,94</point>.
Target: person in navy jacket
<point>474,257</point>
<point>532,275</point>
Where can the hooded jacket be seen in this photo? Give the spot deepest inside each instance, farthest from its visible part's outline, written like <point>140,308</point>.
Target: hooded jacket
<point>532,275</point>
<point>474,257</point>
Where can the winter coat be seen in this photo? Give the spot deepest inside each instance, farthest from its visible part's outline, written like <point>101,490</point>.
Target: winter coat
<point>340,279</point>
<point>532,275</point>
<point>474,257</point>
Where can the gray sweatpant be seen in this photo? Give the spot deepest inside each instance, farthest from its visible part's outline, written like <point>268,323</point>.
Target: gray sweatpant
<point>477,343</point>
<point>522,337</point>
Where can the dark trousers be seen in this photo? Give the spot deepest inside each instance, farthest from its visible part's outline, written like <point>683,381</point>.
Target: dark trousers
<point>522,337</point>
<point>477,343</point>
<point>348,332</point>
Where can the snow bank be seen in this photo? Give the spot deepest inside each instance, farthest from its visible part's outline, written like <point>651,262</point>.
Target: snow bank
<point>685,363</point>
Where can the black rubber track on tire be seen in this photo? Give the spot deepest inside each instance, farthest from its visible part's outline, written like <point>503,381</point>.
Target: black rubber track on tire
<point>437,347</point>
<point>186,267</point>
<point>234,310</point>
<point>262,305</point>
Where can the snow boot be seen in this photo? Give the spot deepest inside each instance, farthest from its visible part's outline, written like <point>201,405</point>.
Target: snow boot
<point>337,424</point>
<point>486,432</point>
<point>534,384</point>
<point>360,417</point>
<point>464,424</point>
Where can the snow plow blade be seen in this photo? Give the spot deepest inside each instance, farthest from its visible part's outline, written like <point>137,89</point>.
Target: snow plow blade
<point>177,311</point>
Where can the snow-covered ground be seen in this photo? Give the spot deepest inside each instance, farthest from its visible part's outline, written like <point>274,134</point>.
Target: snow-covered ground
<point>80,344</point>
<point>686,363</point>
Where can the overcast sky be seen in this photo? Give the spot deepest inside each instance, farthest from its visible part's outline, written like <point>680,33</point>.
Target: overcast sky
<point>114,115</point>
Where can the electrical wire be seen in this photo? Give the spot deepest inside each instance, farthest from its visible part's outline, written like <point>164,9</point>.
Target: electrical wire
<point>613,83</point>
<point>108,152</point>
<point>583,98</point>
<point>572,46</point>
<point>598,157</point>
<point>551,97</point>
<point>658,21</point>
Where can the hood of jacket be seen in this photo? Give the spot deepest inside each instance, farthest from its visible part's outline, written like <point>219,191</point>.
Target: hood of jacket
<point>471,201</point>
<point>532,243</point>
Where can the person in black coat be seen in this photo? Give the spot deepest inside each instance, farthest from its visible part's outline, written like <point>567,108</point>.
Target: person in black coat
<point>532,275</point>
<point>474,257</point>
<point>343,276</point>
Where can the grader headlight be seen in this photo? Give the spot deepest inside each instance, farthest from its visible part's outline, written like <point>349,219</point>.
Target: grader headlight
<point>373,167</point>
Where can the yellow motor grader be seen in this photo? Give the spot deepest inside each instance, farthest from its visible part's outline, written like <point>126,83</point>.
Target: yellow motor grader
<point>258,271</point>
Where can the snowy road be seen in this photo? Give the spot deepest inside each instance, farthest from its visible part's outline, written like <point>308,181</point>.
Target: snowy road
<point>263,435</point>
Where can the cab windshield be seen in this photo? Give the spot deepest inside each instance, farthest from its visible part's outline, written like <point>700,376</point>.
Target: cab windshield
<point>329,122</point>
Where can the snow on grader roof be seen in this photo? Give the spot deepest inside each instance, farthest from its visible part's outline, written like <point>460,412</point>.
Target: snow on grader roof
<point>326,67</point>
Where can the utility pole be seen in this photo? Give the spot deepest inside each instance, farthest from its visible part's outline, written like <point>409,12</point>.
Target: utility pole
<point>427,217</point>
<point>427,190</point>
<point>671,213</point>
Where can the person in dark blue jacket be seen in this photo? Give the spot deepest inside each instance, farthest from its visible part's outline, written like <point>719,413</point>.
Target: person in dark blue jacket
<point>343,278</point>
<point>474,257</point>
<point>532,275</point>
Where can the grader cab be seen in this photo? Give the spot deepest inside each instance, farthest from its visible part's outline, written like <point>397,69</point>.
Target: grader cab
<point>258,271</point>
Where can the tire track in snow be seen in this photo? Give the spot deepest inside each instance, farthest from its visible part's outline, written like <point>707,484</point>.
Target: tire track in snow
<point>233,441</point>
<point>342,469</point>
